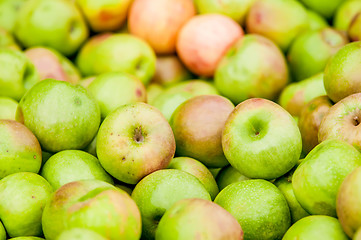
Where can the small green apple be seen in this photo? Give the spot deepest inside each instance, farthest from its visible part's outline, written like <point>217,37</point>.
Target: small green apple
<point>316,21</point>
<point>23,197</point>
<point>9,13</point>
<point>2,232</point>
<point>326,8</point>
<point>345,13</point>
<point>229,175</point>
<point>80,234</point>
<point>7,40</point>
<point>26,238</point>
<point>8,108</point>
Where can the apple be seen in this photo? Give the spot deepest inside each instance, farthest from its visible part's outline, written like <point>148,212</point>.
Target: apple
<point>153,91</point>
<point>253,67</point>
<point>310,52</point>
<point>296,95</point>
<point>2,232</point>
<point>198,170</point>
<point>19,149</point>
<point>268,18</point>
<point>9,12</point>
<point>23,196</point>
<point>18,74</point>
<point>235,9</point>
<point>259,208</point>
<point>61,115</point>
<point>197,126</point>
<point>91,148</point>
<point>134,141</point>
<point>104,15</point>
<point>229,175</point>
<point>51,64</point>
<point>215,171</point>
<point>73,165</point>
<point>316,21</point>
<point>8,108</point>
<point>261,140</point>
<point>119,52</point>
<point>158,191</point>
<point>203,41</point>
<point>168,101</point>
<point>85,82</point>
<point>94,205</point>
<point>198,217</point>
<point>26,238</point>
<point>342,121</point>
<point>315,228</point>
<point>317,180</point>
<point>343,71</point>
<point>326,8</point>
<point>114,89</point>
<point>80,234</point>
<point>345,13</point>
<point>357,235</point>
<point>125,187</point>
<point>158,21</point>
<point>354,28</point>
<point>310,120</point>
<point>6,39</point>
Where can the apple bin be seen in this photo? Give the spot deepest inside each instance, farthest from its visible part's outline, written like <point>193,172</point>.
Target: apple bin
<point>180,119</point>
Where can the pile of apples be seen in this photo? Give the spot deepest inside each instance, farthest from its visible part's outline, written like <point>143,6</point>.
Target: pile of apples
<point>180,119</point>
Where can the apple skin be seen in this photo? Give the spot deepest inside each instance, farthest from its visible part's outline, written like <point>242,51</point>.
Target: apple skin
<point>317,180</point>
<point>326,8</point>
<point>197,125</point>
<point>198,170</point>
<point>73,165</point>
<point>26,238</point>
<point>267,18</point>
<point>7,40</point>
<point>94,205</point>
<point>345,13</point>
<point>253,67</point>
<point>114,89</point>
<point>259,207</point>
<point>23,197</point>
<point>357,235</point>
<point>134,141</point>
<point>229,175</point>
<point>342,121</point>
<point>316,21</point>
<point>2,232</point>
<point>119,52</point>
<point>18,74</point>
<point>153,91</point>
<point>158,191</point>
<point>19,149</point>
<point>8,108</point>
<point>159,21</point>
<point>200,219</point>
<point>62,117</point>
<point>296,95</point>
<point>354,28</point>
<point>310,52</point>
<point>204,40</point>
<point>315,228</point>
<point>9,12</point>
<point>310,120</point>
<point>261,140</point>
<point>105,15</point>
<point>80,234</point>
<point>343,72</point>
<point>51,64</point>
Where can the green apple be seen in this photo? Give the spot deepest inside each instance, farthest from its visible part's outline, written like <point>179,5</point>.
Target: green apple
<point>153,91</point>
<point>235,9</point>
<point>203,41</point>
<point>326,8</point>
<point>342,121</point>
<point>170,70</point>
<point>134,141</point>
<point>316,228</point>
<point>199,219</point>
<point>357,235</point>
<point>117,53</point>
<point>8,108</point>
<point>310,120</point>
<point>268,18</point>
<point>316,21</point>
<point>258,206</point>
<point>168,101</point>
<point>26,238</point>
<point>253,67</point>
<point>158,21</point>
<point>2,232</point>
<point>310,52</point>
<point>91,148</point>
<point>57,24</point>
<point>80,234</point>
<point>6,39</point>
<point>317,180</point>
<point>296,95</point>
<point>125,187</point>
<point>9,13</point>
<point>19,149</point>
<point>354,28</point>
<point>343,72</point>
<point>94,205</point>
<point>23,197</point>
<point>18,74</point>
<point>198,170</point>
<point>73,165</point>
<point>51,64</point>
<point>158,191</point>
<point>261,140</point>
<point>114,89</point>
<point>197,126</point>
<point>61,115</point>
<point>345,13</point>
<point>229,175</point>
<point>104,15</point>
<point>215,171</point>
<point>348,203</point>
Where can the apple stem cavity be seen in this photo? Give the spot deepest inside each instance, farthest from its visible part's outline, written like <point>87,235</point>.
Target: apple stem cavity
<point>138,135</point>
